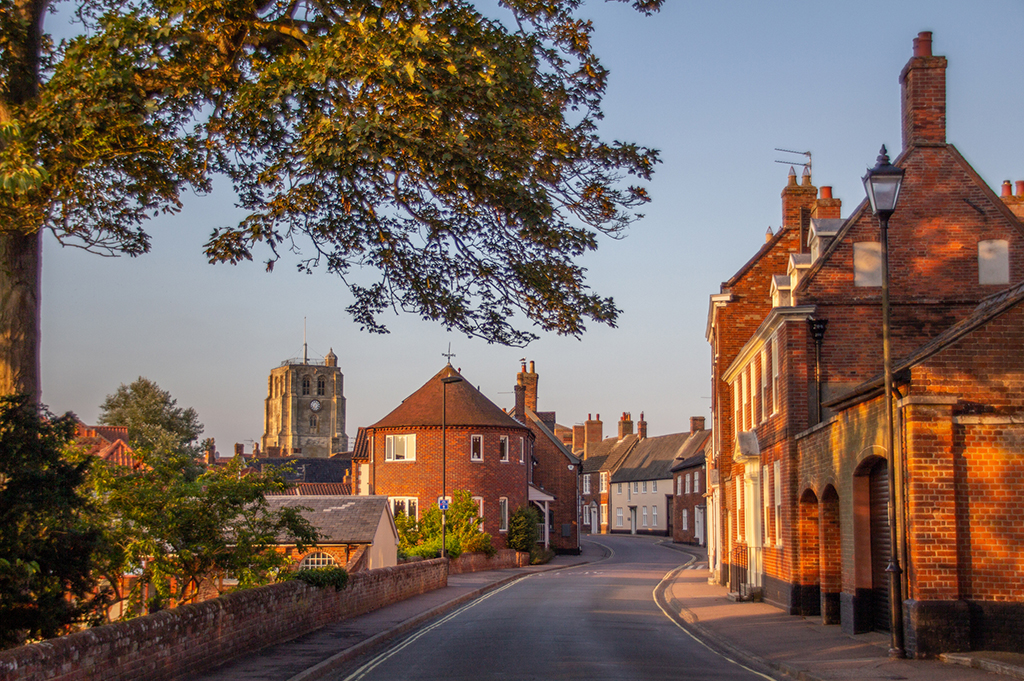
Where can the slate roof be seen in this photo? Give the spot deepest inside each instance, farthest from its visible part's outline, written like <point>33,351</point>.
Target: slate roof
<point>652,458</point>
<point>466,406</point>
<point>318,488</point>
<point>608,453</point>
<point>692,453</point>
<point>307,468</point>
<point>340,519</point>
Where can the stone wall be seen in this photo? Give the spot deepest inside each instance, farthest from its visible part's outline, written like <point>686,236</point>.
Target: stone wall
<point>185,641</point>
<point>478,562</point>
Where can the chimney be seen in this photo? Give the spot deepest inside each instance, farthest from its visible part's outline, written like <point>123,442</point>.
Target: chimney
<point>826,207</point>
<point>211,452</point>
<point>1014,202</point>
<point>520,409</point>
<point>625,425</point>
<point>696,423</point>
<point>1020,187</point>
<point>798,201</point>
<point>923,82</point>
<point>578,437</point>
<point>641,427</point>
<point>528,379</point>
<point>768,234</point>
<point>593,432</point>
<point>1007,188</point>
<point>239,449</point>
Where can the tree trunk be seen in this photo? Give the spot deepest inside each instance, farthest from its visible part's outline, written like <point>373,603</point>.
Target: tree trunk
<point>20,284</point>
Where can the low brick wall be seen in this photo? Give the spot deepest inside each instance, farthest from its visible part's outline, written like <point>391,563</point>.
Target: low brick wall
<point>182,642</point>
<point>478,562</point>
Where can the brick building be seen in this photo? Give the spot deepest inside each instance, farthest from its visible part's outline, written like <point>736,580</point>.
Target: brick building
<point>798,470</point>
<point>485,451</point>
<point>688,511</point>
<point>601,459</point>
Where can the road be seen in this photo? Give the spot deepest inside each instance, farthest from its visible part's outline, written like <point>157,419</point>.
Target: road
<point>595,621</point>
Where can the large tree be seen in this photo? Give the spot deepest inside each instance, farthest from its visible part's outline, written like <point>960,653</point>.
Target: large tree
<point>152,416</point>
<point>439,161</point>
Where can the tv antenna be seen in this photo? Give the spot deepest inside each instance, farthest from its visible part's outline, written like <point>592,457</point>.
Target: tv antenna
<point>796,163</point>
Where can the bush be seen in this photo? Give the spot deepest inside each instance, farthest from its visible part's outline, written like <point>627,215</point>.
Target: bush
<point>522,529</point>
<point>323,577</point>
<point>462,534</point>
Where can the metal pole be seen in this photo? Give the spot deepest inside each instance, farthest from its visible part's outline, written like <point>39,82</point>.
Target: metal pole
<point>895,582</point>
<point>444,461</point>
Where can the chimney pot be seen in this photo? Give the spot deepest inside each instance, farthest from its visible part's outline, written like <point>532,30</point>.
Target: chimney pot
<point>826,192</point>
<point>923,44</point>
<point>1020,187</point>
<point>1007,188</point>
<point>768,234</point>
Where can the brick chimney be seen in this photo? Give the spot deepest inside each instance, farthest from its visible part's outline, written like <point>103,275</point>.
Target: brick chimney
<point>1015,202</point>
<point>211,452</point>
<point>798,200</point>
<point>641,427</point>
<point>528,379</point>
<point>578,437</point>
<point>519,413</point>
<point>625,425</point>
<point>696,423</point>
<point>923,82</point>
<point>593,432</point>
<point>826,207</point>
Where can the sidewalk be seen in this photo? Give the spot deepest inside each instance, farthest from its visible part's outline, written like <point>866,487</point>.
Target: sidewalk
<point>314,655</point>
<point>764,638</point>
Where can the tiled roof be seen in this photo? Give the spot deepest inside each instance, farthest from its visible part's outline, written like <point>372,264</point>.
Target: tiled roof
<point>307,468</point>
<point>651,459</point>
<point>608,453</point>
<point>361,448</point>
<point>339,519</point>
<point>318,489</point>
<point>466,406</point>
<point>692,453</point>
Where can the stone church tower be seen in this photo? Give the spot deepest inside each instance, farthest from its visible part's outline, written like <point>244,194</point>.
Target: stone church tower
<point>304,413</point>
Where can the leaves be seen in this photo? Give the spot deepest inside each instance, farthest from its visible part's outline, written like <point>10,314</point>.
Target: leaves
<point>441,162</point>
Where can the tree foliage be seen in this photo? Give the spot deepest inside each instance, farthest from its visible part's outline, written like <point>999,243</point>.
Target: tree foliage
<point>463,534</point>
<point>152,417</point>
<point>177,524</point>
<point>522,529</point>
<point>47,539</point>
<point>440,161</point>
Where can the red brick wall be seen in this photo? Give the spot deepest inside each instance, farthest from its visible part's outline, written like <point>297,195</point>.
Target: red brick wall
<point>479,562</point>
<point>553,475</point>
<point>690,502</point>
<point>490,478</point>
<point>185,641</point>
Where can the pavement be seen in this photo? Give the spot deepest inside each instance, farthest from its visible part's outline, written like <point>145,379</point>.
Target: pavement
<point>755,635</point>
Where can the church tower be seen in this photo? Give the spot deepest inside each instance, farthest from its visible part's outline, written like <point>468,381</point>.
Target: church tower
<point>304,413</point>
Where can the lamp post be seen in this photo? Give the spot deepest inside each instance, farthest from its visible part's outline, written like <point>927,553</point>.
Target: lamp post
<point>882,184</point>
<point>444,457</point>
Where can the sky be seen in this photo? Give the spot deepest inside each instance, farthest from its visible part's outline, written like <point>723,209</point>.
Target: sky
<point>716,86</point>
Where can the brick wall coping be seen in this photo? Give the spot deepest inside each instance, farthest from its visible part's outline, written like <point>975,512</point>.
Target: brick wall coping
<point>927,399</point>
<point>831,420</point>
<point>989,420</point>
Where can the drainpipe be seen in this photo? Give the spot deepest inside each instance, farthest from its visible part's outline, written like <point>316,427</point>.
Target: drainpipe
<point>818,327</point>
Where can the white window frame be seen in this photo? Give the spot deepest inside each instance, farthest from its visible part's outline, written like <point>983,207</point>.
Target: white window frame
<point>696,481</point>
<point>317,559</point>
<point>522,450</point>
<point>776,380</point>
<point>620,488</point>
<point>586,484</point>
<point>395,453</point>
<point>503,448</point>
<point>604,481</point>
<point>654,516</point>
<point>778,503</point>
<point>764,385</point>
<point>645,517</point>
<point>654,486</point>
<point>739,508</point>
<point>618,516</point>
<point>765,501</point>
<point>636,487</point>
<point>404,503</point>
<point>753,393</point>
<point>736,408</point>
<point>476,448</point>
<point>686,519</point>
<point>503,514</point>
<point>679,486</point>
<point>604,514</point>
<point>643,487</point>
<point>479,501</point>
<point>687,484</point>
<point>745,382</point>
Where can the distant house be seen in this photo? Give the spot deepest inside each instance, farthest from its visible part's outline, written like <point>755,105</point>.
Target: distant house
<point>641,488</point>
<point>109,443</point>
<point>601,459</point>
<point>358,532</point>
<point>309,475</point>
<point>689,506</point>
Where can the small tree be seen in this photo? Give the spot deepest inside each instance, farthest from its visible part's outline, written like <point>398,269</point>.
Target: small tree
<point>522,529</point>
<point>153,418</point>
<point>47,538</point>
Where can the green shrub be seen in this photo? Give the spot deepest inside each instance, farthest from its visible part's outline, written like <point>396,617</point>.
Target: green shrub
<point>323,577</point>
<point>462,534</point>
<point>522,529</point>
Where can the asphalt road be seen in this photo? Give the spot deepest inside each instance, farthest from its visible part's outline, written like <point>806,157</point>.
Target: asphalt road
<point>595,621</point>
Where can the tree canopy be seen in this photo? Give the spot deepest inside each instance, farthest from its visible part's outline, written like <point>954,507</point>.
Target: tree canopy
<point>440,161</point>
<point>152,416</point>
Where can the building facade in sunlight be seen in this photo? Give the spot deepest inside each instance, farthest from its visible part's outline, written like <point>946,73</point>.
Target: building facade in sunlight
<point>304,412</point>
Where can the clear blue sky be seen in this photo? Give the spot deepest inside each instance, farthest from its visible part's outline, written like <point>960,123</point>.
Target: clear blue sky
<point>715,85</point>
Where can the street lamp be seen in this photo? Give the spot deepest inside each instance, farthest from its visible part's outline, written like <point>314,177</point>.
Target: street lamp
<point>444,457</point>
<point>882,184</point>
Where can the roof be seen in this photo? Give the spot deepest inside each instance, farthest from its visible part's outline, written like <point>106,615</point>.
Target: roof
<point>692,453</point>
<point>652,458</point>
<point>607,454</point>
<point>307,468</point>
<point>318,489</point>
<point>466,406</point>
<point>538,420</point>
<point>339,519</point>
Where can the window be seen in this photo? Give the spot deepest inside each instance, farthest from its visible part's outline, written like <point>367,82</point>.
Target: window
<point>696,481</point>
<point>321,386</point>
<point>604,483</point>
<point>753,394</point>
<point>522,450</point>
<point>687,477</point>
<point>993,262</point>
<point>644,487</point>
<point>405,505</point>
<point>776,382</point>
<point>620,488</point>
<point>312,422</point>
<point>764,385</point>
<point>778,503</point>
<point>654,485</point>
<point>654,516</point>
<point>586,484</point>
<point>401,448</point>
<point>766,504</point>
<point>604,514</point>
<point>503,448</point>
<point>739,508</point>
<point>867,263</point>
<point>686,519</point>
<point>618,517</point>
<point>736,407</point>
<point>745,415</point>
<point>476,448</point>
<point>503,514</point>
<point>305,385</point>
<point>645,516</point>
<point>636,488</point>
<point>316,560</point>
<point>679,485</point>
<point>479,501</point>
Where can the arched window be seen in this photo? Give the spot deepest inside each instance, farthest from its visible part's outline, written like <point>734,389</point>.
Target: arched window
<point>321,386</point>
<point>312,422</point>
<point>305,385</point>
<point>316,560</point>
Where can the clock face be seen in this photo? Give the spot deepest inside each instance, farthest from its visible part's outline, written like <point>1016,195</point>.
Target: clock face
<point>315,405</point>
